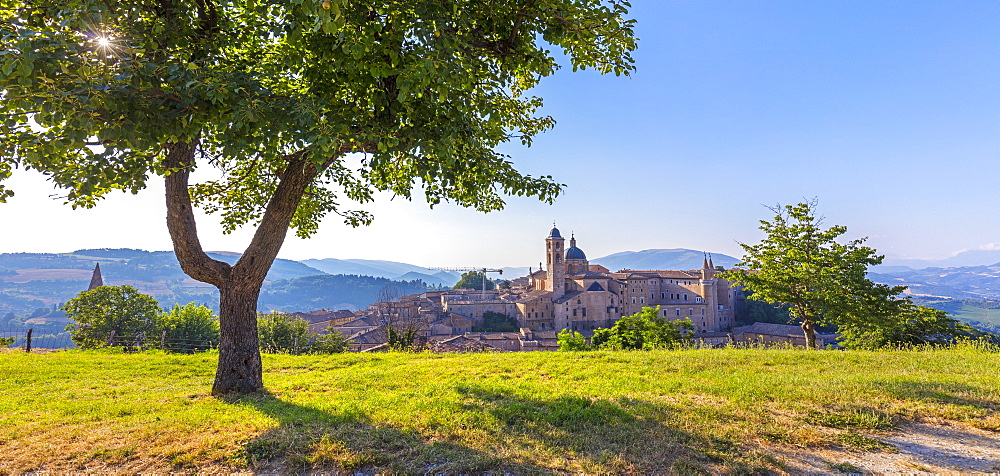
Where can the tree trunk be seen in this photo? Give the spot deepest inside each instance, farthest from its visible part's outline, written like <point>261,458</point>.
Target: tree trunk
<point>809,328</point>
<point>239,369</point>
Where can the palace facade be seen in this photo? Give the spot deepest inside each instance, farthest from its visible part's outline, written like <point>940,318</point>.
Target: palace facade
<point>573,294</point>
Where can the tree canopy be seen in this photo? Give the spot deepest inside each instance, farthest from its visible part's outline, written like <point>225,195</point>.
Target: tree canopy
<point>803,266</point>
<point>122,310</point>
<point>302,107</point>
<point>475,280</point>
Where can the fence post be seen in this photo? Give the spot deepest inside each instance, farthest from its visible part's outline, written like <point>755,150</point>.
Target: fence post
<point>27,341</point>
<point>111,338</point>
<point>163,341</point>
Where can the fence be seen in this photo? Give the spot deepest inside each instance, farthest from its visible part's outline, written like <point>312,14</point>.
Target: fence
<point>29,341</point>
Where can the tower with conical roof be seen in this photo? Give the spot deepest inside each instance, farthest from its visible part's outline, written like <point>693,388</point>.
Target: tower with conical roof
<point>556,281</point>
<point>96,280</point>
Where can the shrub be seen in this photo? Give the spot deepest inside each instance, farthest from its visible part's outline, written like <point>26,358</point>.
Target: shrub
<point>189,328</point>
<point>282,334</point>
<point>121,311</point>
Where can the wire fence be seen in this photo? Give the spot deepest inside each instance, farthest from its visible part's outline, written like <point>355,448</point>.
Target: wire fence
<point>29,341</point>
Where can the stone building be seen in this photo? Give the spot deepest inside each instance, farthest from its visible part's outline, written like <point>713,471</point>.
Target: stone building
<point>573,294</point>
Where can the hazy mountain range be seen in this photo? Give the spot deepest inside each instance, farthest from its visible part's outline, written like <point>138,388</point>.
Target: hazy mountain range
<point>675,258</point>
<point>33,280</point>
<point>965,258</point>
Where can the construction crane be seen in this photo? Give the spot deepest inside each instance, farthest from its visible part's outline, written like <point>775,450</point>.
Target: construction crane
<point>482,290</point>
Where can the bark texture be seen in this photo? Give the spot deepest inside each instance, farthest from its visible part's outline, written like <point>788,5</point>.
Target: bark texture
<point>809,328</point>
<point>239,369</point>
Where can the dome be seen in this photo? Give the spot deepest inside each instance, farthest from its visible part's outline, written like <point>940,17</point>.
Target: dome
<point>554,233</point>
<point>575,253</point>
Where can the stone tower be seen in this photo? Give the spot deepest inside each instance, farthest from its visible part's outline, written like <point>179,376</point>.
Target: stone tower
<point>709,294</point>
<point>96,280</point>
<point>557,267</point>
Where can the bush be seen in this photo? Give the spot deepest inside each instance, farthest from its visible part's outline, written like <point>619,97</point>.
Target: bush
<point>121,311</point>
<point>189,328</point>
<point>496,322</point>
<point>282,334</point>
<point>572,341</point>
<point>331,343</point>
<point>644,330</point>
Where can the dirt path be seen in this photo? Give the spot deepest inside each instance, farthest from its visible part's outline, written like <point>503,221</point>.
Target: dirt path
<point>923,449</point>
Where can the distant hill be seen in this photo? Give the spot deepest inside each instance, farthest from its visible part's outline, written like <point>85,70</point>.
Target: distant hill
<point>963,259</point>
<point>965,282</point>
<point>29,281</point>
<point>402,271</point>
<point>381,269</point>
<point>676,258</point>
<point>331,292</point>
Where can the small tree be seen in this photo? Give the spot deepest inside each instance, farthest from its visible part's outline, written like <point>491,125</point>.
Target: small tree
<point>475,280</point>
<point>496,322</point>
<point>330,343</point>
<point>644,330</point>
<point>122,310</point>
<point>401,340</point>
<point>189,328</point>
<point>801,265</point>
<point>282,334</point>
<point>570,341</point>
<point>911,325</point>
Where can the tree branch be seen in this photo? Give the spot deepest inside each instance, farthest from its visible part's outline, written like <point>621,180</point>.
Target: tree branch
<point>180,218</point>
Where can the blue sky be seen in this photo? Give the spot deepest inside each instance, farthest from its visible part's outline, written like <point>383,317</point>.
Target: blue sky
<point>888,112</point>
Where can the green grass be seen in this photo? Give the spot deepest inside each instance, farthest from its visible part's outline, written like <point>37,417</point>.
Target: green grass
<point>683,412</point>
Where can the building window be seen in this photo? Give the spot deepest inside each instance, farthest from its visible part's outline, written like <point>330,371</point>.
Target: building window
<point>574,312</point>
<point>678,311</point>
<point>697,299</point>
<point>690,311</point>
<point>584,312</point>
<point>685,296</point>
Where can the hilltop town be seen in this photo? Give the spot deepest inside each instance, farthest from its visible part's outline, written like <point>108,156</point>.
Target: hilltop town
<point>569,293</point>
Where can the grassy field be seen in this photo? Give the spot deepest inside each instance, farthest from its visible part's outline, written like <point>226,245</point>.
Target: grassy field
<point>685,411</point>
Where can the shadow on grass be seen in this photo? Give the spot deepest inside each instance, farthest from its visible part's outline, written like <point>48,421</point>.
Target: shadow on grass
<point>311,439</point>
<point>947,393</point>
<point>522,436</point>
<point>604,436</point>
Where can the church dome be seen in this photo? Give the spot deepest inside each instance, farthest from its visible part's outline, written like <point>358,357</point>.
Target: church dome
<point>575,253</point>
<point>554,233</point>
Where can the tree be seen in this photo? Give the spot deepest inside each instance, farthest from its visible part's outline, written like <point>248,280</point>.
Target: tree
<point>123,310</point>
<point>330,343</point>
<point>189,327</point>
<point>401,340</point>
<point>570,341</point>
<point>283,334</point>
<point>300,106</point>
<point>496,322</point>
<point>644,330</point>
<point>911,325</point>
<point>474,280</point>
<point>801,265</point>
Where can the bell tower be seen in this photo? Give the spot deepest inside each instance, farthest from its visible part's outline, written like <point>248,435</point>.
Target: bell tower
<point>554,252</point>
